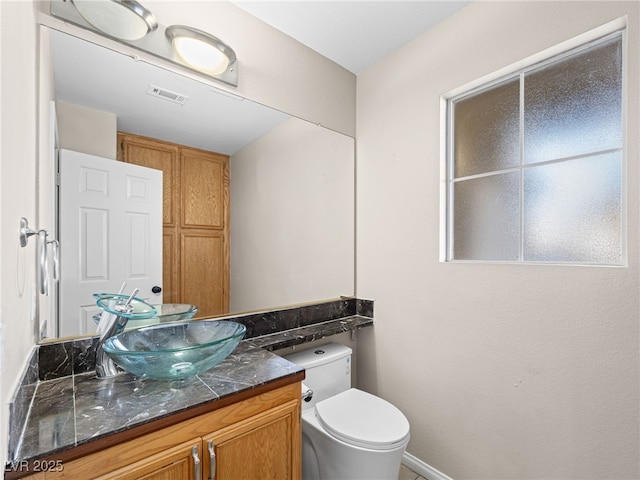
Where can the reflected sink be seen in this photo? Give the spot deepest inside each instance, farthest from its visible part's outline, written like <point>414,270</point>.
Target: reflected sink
<point>174,351</point>
<point>172,312</point>
<point>165,312</point>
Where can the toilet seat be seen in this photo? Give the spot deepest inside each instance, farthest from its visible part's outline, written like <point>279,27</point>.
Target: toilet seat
<point>363,420</point>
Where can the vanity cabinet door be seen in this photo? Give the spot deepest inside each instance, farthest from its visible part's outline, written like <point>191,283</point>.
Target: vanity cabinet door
<point>265,446</point>
<point>181,462</point>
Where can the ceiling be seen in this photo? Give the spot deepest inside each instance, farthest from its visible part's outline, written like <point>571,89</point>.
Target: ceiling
<point>354,34</point>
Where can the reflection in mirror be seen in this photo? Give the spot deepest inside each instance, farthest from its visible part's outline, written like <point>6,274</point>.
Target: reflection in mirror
<point>291,186</point>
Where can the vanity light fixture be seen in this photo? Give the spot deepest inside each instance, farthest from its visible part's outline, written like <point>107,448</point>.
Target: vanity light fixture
<point>121,19</point>
<point>200,50</point>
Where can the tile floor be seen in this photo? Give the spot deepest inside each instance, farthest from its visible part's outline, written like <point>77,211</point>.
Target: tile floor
<point>406,474</point>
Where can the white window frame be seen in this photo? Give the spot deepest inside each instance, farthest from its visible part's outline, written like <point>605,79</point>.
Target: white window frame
<point>513,71</point>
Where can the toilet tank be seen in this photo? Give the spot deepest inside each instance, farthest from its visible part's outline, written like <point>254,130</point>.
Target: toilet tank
<point>327,368</point>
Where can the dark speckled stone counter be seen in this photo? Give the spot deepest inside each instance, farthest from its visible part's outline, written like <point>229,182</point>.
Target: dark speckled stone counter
<point>60,413</point>
<point>73,410</point>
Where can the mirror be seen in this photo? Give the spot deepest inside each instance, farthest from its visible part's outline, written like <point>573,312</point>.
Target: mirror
<point>291,182</point>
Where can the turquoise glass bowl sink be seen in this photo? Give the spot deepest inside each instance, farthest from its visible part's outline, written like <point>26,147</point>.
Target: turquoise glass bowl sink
<point>174,351</point>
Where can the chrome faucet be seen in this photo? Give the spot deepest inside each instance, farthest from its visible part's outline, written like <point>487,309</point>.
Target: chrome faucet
<point>105,367</point>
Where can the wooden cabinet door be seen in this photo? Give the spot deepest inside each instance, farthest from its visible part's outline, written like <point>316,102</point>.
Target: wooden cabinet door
<point>266,446</point>
<point>204,227</point>
<point>181,462</point>
<point>203,276</point>
<point>204,181</point>
<point>171,266</point>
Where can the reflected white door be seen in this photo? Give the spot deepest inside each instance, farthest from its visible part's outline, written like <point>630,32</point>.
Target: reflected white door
<point>110,233</point>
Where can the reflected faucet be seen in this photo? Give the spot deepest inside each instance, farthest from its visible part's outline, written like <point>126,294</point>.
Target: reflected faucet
<point>105,367</point>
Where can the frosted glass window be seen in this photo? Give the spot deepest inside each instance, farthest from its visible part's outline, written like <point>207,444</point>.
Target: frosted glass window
<point>487,217</point>
<point>574,106</point>
<point>572,211</point>
<point>487,130</point>
<point>536,162</point>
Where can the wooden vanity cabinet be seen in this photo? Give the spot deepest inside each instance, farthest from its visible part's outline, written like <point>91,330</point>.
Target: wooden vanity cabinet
<point>256,438</point>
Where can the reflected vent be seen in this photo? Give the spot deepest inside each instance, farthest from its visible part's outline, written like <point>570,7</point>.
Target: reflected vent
<point>167,94</point>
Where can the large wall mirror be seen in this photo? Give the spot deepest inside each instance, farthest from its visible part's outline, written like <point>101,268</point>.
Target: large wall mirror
<point>291,182</point>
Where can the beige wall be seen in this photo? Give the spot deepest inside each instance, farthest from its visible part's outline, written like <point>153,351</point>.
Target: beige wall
<point>87,130</point>
<point>292,217</point>
<point>504,371</point>
<point>17,196</point>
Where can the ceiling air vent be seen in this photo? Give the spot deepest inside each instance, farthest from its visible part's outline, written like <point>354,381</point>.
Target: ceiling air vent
<point>167,94</point>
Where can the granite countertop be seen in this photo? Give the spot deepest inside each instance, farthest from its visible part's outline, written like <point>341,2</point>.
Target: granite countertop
<point>68,413</point>
<point>71,411</point>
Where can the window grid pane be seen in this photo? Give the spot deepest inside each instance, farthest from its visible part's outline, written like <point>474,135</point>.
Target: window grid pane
<point>486,224</point>
<point>573,106</point>
<point>572,211</point>
<point>487,130</point>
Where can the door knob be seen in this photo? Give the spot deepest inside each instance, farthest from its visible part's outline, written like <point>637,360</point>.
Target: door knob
<point>156,289</point>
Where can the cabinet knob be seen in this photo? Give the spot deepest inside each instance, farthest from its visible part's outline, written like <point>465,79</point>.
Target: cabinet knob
<point>156,289</point>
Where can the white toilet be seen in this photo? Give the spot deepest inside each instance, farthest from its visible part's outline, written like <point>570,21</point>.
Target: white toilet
<point>347,434</point>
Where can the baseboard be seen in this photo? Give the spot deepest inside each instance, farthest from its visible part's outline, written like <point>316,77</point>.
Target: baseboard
<point>422,469</point>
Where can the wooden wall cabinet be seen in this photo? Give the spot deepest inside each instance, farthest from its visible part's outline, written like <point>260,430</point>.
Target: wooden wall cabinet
<point>257,438</point>
<point>195,220</point>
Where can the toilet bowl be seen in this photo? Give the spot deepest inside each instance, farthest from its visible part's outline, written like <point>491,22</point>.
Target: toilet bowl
<point>347,434</point>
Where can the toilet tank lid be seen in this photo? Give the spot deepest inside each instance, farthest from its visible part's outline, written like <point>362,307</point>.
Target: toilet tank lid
<point>361,419</point>
<point>319,355</point>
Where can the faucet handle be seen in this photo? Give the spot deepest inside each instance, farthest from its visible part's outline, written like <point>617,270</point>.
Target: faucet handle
<point>126,307</point>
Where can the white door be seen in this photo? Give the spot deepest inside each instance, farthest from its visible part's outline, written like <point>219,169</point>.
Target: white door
<point>110,233</point>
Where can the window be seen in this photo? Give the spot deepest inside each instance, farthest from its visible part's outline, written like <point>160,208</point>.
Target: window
<point>535,163</point>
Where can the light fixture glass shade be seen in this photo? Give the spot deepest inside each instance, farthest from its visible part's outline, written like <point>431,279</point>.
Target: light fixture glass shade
<point>200,50</point>
<point>122,19</point>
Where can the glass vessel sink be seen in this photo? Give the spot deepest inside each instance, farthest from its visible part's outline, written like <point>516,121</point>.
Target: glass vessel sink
<point>174,351</point>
